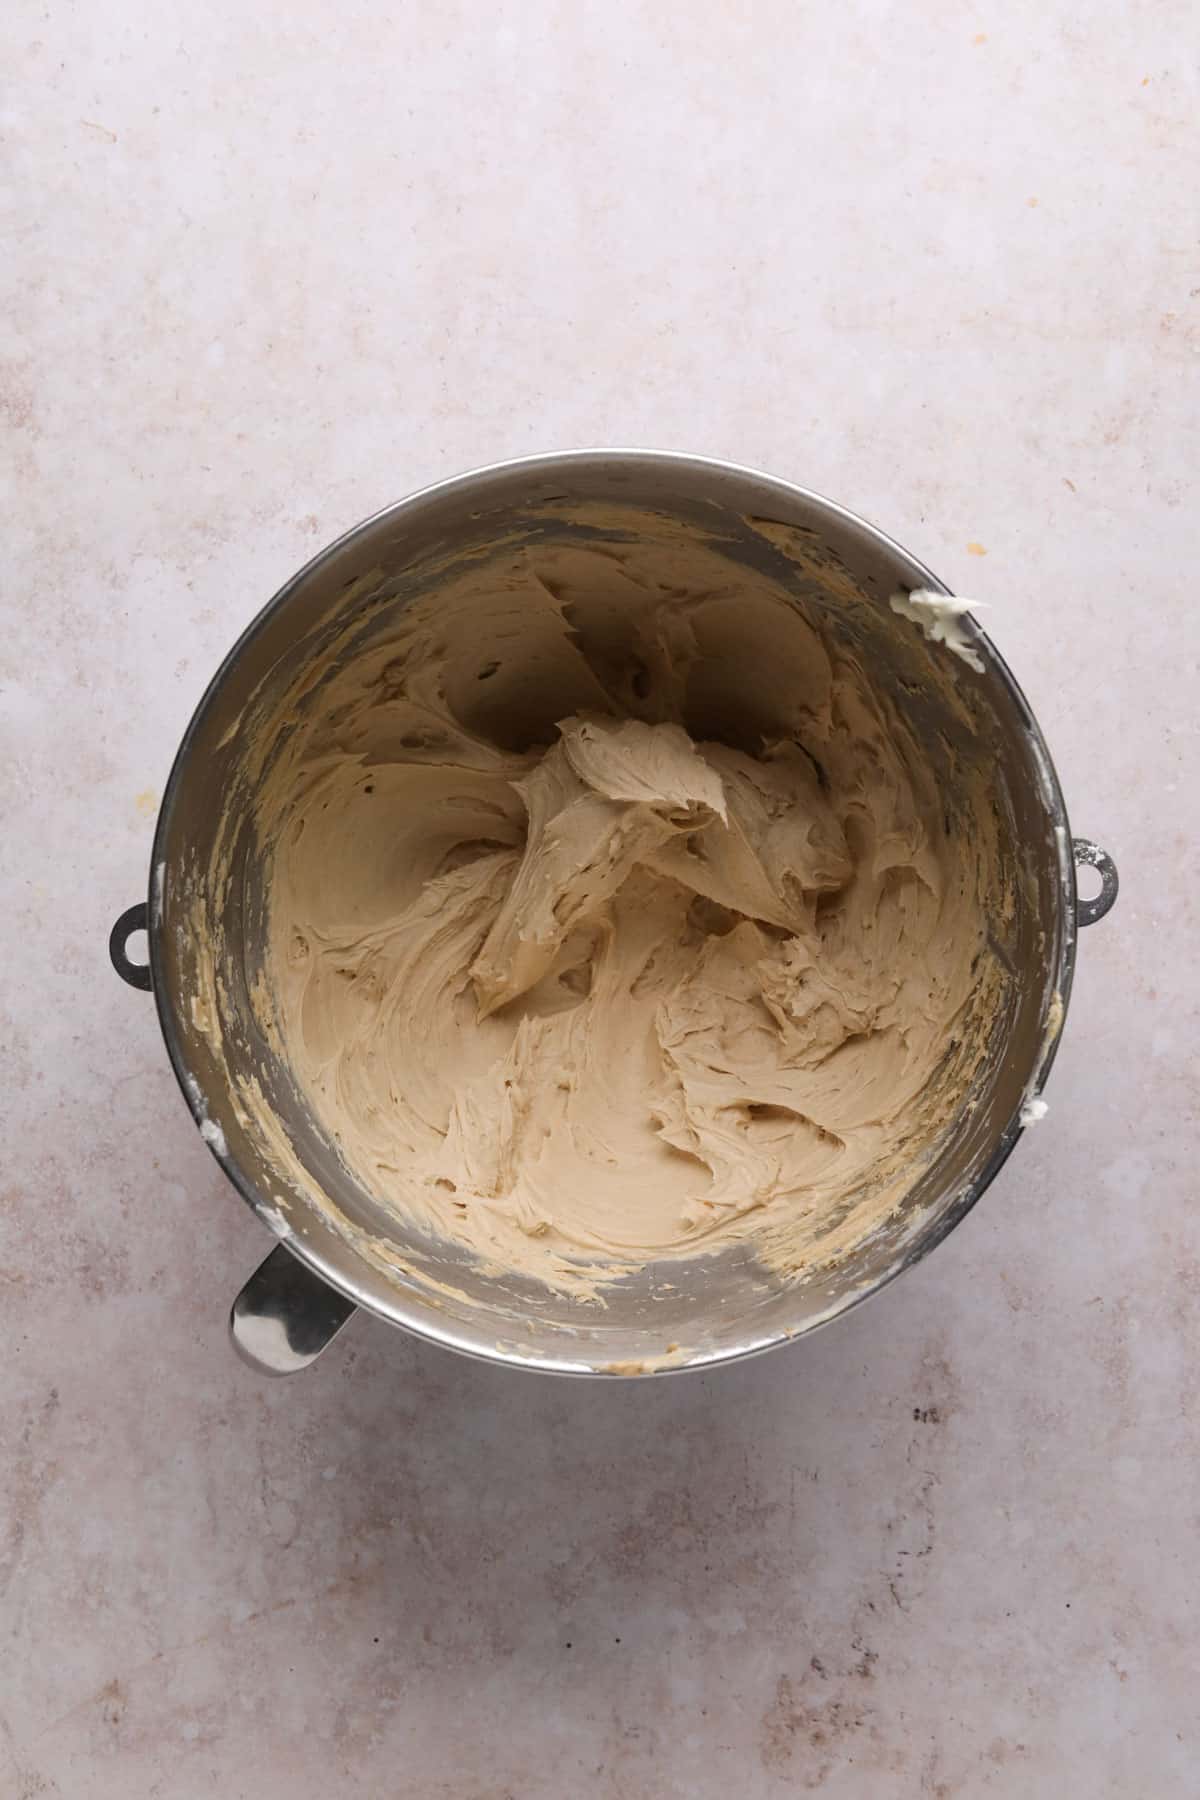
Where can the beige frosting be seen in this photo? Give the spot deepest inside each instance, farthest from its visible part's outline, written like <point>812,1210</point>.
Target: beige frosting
<point>616,915</point>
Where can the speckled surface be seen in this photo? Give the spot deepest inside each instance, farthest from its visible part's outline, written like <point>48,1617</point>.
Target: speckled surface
<point>265,273</point>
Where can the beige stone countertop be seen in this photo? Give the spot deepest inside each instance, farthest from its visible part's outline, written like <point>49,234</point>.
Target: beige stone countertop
<point>267,269</point>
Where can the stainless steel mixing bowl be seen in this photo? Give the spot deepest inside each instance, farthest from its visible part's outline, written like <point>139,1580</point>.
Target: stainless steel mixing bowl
<point>339,1252</point>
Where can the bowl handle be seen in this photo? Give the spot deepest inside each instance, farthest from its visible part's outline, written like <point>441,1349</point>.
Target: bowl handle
<point>285,1315</point>
<point>1088,911</point>
<point>131,920</point>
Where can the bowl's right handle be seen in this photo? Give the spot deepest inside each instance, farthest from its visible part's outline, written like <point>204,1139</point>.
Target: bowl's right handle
<point>285,1315</point>
<point>1088,911</point>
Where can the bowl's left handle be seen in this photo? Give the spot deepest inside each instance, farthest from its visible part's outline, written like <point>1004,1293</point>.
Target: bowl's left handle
<point>134,918</point>
<point>285,1315</point>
